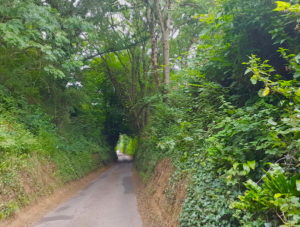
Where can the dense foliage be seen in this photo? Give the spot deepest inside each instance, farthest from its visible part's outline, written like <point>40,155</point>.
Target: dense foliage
<point>52,116</point>
<point>231,123</point>
<point>213,85</point>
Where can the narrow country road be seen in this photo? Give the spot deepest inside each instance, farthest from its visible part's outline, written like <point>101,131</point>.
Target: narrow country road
<point>109,201</point>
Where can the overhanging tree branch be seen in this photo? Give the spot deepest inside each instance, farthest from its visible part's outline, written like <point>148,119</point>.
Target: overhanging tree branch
<point>113,49</point>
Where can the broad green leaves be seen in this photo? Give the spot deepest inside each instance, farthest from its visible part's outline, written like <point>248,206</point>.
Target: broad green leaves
<point>264,72</point>
<point>278,191</point>
<point>286,6</point>
<point>37,28</point>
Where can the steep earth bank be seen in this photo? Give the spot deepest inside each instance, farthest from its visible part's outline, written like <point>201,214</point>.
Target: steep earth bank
<point>160,198</point>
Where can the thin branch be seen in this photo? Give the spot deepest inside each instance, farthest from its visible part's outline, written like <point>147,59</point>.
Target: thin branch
<point>113,50</point>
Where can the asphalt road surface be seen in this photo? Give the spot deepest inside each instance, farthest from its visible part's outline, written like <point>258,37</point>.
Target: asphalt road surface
<point>109,201</point>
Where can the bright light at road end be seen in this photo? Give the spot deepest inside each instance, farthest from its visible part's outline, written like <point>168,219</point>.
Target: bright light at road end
<point>123,157</point>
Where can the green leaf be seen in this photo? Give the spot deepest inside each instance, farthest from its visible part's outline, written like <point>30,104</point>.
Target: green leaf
<point>278,195</point>
<point>297,93</point>
<point>298,185</point>
<point>251,164</point>
<point>266,91</point>
<point>235,165</point>
<point>272,122</point>
<point>282,6</point>
<point>56,73</point>
<point>253,80</point>
<point>248,70</point>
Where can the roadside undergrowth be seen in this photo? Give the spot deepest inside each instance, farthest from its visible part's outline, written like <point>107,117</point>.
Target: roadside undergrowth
<point>36,158</point>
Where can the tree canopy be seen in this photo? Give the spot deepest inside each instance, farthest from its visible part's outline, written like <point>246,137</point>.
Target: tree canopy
<point>212,85</point>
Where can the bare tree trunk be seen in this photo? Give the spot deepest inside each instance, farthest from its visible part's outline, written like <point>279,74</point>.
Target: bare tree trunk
<point>165,25</point>
<point>152,24</point>
<point>166,52</point>
<point>154,58</point>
